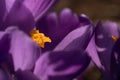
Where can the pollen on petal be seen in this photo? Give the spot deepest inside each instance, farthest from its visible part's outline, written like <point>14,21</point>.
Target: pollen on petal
<point>114,38</point>
<point>39,38</point>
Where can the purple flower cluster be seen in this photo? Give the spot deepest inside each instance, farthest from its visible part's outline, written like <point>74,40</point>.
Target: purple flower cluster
<point>75,42</point>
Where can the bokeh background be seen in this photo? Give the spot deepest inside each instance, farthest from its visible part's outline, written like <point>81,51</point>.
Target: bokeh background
<point>96,10</point>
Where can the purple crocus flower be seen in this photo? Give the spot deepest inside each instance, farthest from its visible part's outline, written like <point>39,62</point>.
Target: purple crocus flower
<point>66,56</point>
<point>104,48</point>
<point>63,59</point>
<point>18,51</point>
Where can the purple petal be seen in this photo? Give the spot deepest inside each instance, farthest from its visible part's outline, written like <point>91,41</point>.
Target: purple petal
<point>3,75</point>
<point>25,75</point>
<point>61,65</point>
<point>5,57</point>
<point>115,59</point>
<point>4,46</point>
<point>57,27</point>
<point>19,16</point>
<point>38,7</point>
<point>9,4</point>
<point>2,11</point>
<point>111,28</point>
<point>104,44</point>
<point>23,50</point>
<point>92,51</point>
<point>68,19</point>
<point>78,39</point>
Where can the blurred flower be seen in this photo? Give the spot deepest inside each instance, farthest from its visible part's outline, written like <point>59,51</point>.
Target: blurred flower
<point>104,47</point>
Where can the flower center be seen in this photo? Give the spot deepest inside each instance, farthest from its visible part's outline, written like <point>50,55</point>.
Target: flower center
<point>39,38</point>
<point>114,38</point>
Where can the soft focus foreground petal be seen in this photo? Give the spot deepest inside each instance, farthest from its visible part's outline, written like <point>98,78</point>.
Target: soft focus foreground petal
<point>78,39</point>
<point>92,52</point>
<point>23,50</point>
<point>38,7</point>
<point>58,26</point>
<point>111,28</point>
<point>115,60</point>
<point>61,65</point>
<point>19,16</point>
<point>3,75</point>
<point>2,11</point>
<point>104,44</point>
<point>25,75</point>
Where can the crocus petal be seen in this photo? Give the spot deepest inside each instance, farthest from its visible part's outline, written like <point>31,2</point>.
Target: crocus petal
<point>19,16</point>
<point>2,11</point>
<point>4,46</point>
<point>25,75</point>
<point>3,75</point>
<point>68,18</point>
<point>9,4</point>
<point>57,27</point>
<point>2,33</point>
<point>111,28</point>
<point>92,51</point>
<point>23,50</point>
<point>115,59</point>
<point>104,44</point>
<point>61,65</point>
<point>38,7</point>
<point>78,39</point>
